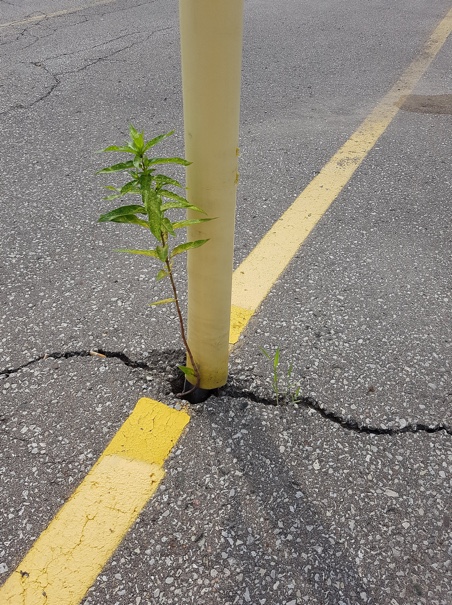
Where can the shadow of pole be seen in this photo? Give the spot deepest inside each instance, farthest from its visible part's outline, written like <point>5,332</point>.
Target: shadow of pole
<point>278,513</point>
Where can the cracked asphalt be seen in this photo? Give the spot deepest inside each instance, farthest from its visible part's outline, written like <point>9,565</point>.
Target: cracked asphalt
<point>342,498</point>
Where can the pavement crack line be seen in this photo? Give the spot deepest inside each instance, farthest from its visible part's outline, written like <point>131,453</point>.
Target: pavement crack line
<point>102,44</point>
<point>90,62</point>
<point>47,93</point>
<point>111,53</point>
<point>102,353</point>
<point>350,424</point>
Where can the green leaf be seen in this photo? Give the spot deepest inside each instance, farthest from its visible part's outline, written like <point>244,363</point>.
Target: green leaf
<point>137,138</point>
<point>156,140</point>
<point>152,202</point>
<point>116,167</point>
<point>124,149</point>
<point>113,196</point>
<point>162,253</point>
<point>162,179</point>
<point>152,253</point>
<point>170,205</point>
<point>169,161</point>
<point>121,211</point>
<point>187,371</point>
<point>187,246</point>
<point>127,218</point>
<point>168,225</point>
<point>172,196</point>
<point>182,202</point>
<point>186,205</point>
<point>130,187</point>
<point>161,274</point>
<point>265,353</point>
<point>276,359</point>
<point>162,302</point>
<point>133,131</point>
<point>190,221</point>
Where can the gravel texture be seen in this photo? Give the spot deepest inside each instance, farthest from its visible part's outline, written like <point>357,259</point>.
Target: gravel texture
<point>261,503</point>
<point>57,416</point>
<point>342,499</point>
<point>276,505</point>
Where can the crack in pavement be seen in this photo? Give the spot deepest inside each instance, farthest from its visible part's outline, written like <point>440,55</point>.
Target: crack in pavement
<point>348,423</point>
<point>119,9</point>
<point>111,54</point>
<point>40,34</point>
<point>90,48</point>
<point>83,353</point>
<point>57,76</point>
<point>56,83</point>
<point>23,33</point>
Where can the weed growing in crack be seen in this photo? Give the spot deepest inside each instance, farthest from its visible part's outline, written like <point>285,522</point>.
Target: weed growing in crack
<point>283,387</point>
<point>157,198</point>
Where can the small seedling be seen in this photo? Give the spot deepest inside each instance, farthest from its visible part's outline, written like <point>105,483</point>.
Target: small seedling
<point>282,388</point>
<point>157,198</point>
<point>275,367</point>
<point>293,390</point>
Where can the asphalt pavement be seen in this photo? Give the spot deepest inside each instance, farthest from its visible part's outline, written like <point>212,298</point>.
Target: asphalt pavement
<point>341,493</point>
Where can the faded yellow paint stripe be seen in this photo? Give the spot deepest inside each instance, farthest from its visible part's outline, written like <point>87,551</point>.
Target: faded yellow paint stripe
<point>149,433</point>
<point>66,11</point>
<point>69,555</point>
<point>254,278</point>
<point>239,319</point>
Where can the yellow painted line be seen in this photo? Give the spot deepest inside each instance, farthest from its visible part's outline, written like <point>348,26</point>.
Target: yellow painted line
<point>254,278</point>
<point>69,555</point>
<point>67,11</point>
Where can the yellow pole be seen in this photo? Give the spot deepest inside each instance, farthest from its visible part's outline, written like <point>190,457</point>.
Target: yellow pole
<point>211,48</point>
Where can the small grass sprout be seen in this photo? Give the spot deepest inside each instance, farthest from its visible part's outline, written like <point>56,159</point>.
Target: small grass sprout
<point>283,387</point>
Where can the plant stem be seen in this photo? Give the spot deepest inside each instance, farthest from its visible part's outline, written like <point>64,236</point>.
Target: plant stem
<point>176,300</point>
<point>182,330</point>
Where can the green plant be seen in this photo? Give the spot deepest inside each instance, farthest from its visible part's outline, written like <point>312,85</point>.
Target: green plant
<point>157,199</point>
<point>293,390</point>
<point>275,368</point>
<point>282,387</point>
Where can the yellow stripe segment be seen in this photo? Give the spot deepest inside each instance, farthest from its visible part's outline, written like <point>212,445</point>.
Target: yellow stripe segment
<point>149,433</point>
<point>69,555</point>
<point>254,278</point>
<point>239,319</point>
